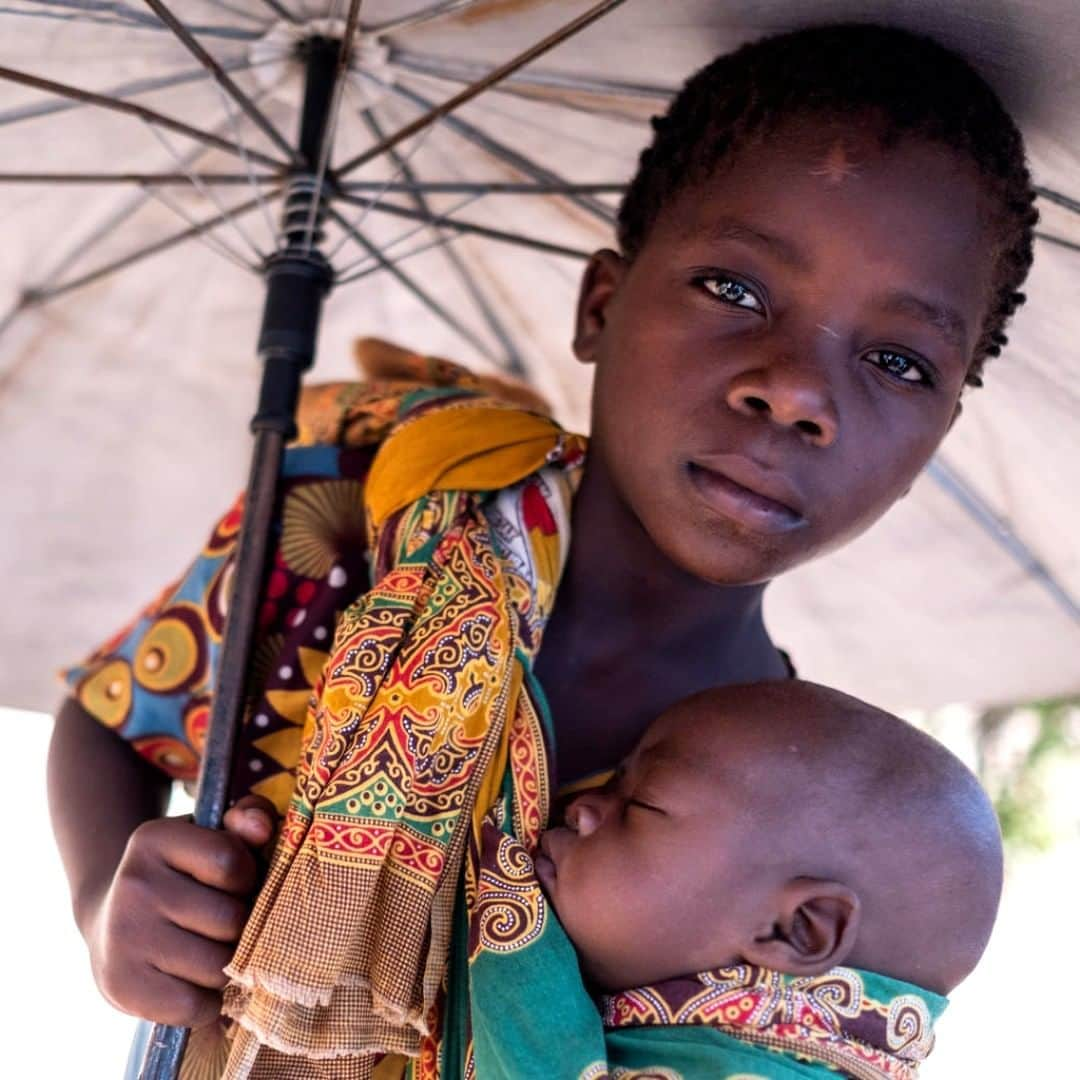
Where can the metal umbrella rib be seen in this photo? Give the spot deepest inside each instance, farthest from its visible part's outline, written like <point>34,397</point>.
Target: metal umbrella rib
<point>105,12</point>
<point>147,179</point>
<point>282,11</point>
<point>119,93</point>
<point>197,228</point>
<point>455,69</point>
<point>514,361</point>
<point>1059,241</point>
<point>1059,199</point>
<point>505,154</point>
<point>438,309</point>
<point>473,228</point>
<point>46,290</point>
<point>1002,533</point>
<point>50,86</point>
<point>574,26</point>
<point>418,18</point>
<point>240,12</point>
<point>218,72</point>
<point>486,187</point>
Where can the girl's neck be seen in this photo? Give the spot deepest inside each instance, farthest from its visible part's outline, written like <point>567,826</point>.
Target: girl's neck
<point>617,581</point>
<point>631,634</point>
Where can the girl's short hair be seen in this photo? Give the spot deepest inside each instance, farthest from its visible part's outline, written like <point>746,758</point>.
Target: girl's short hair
<point>908,83</point>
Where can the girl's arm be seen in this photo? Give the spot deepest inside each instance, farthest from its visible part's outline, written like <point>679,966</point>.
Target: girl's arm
<point>160,902</point>
<point>100,792</point>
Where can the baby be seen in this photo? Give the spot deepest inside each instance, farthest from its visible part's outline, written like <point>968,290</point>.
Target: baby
<point>776,829</point>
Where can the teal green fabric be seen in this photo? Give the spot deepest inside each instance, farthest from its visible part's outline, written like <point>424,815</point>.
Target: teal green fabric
<point>531,1016</point>
<point>702,1053</point>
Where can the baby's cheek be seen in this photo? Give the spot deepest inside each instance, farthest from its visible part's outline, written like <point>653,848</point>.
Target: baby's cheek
<point>591,910</point>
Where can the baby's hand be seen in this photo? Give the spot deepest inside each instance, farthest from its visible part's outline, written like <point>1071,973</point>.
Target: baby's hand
<point>175,909</point>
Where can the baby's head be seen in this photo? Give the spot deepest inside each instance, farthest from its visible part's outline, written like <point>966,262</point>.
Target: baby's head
<point>784,825</point>
<point>824,243</point>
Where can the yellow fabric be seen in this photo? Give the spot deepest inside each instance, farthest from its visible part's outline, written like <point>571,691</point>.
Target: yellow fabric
<point>466,448</point>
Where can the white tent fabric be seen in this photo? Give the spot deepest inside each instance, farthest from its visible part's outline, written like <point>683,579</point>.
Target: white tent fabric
<point>124,402</point>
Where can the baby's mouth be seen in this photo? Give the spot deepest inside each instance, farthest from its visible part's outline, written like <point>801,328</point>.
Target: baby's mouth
<point>546,870</point>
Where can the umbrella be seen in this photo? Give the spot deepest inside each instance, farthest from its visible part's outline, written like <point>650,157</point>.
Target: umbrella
<point>149,150</point>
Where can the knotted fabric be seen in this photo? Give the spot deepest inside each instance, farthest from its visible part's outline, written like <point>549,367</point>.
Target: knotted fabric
<point>408,734</point>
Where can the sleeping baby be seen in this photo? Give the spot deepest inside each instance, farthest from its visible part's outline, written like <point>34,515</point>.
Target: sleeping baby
<point>823,871</point>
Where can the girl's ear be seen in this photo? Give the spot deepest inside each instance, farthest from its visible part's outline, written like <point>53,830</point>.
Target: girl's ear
<point>598,284</point>
<point>815,929</point>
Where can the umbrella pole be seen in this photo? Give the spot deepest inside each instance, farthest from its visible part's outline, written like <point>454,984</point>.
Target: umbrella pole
<point>298,278</point>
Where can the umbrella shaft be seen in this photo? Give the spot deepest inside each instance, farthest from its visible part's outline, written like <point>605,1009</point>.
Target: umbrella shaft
<point>295,287</point>
<point>297,280</point>
<point>322,56</point>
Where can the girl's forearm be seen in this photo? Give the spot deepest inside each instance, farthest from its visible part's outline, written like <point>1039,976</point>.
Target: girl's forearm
<point>100,791</point>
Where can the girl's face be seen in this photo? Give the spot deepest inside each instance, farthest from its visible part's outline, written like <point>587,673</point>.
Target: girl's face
<point>788,349</point>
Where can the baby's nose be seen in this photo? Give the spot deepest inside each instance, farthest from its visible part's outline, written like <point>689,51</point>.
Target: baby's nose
<point>586,813</point>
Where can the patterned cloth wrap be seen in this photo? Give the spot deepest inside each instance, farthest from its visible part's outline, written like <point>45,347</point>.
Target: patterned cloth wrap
<point>408,732</point>
<point>531,1016</point>
<point>383,722</point>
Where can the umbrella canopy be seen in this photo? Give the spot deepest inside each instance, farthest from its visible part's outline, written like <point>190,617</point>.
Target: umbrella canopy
<point>146,150</point>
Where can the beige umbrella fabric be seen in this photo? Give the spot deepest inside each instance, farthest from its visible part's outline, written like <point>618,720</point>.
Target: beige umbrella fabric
<point>124,401</point>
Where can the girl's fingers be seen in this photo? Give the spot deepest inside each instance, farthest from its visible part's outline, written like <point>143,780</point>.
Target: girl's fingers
<point>212,857</point>
<point>252,819</point>
<point>166,999</point>
<point>199,909</point>
<point>190,958</point>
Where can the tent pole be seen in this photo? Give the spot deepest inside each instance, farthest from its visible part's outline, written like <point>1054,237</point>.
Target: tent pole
<point>298,277</point>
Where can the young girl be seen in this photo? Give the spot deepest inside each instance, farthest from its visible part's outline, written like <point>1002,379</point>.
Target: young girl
<point>819,251</point>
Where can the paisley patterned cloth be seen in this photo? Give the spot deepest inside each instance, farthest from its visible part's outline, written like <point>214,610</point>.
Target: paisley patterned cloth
<point>412,716</point>
<point>408,732</point>
<point>151,682</point>
<point>737,1023</point>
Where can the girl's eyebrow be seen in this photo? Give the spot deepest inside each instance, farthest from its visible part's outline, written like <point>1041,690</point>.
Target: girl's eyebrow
<point>946,320</point>
<point>729,228</point>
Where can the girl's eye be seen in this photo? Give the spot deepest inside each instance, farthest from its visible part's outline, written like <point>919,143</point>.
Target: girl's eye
<point>732,291</point>
<point>905,368</point>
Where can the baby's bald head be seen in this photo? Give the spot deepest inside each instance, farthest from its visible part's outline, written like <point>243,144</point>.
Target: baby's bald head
<point>802,829</point>
<point>841,790</point>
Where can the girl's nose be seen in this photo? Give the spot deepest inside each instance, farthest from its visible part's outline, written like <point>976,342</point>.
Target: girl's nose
<point>794,395</point>
<point>586,813</point>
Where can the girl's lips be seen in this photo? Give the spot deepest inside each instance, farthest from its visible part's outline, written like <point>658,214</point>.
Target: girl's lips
<point>747,507</point>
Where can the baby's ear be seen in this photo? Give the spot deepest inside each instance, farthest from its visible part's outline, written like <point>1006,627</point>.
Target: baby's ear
<point>815,927</point>
<point>598,285</point>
